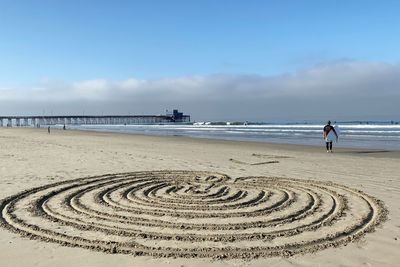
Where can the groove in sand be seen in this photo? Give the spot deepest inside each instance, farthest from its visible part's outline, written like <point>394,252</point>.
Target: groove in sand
<point>193,214</point>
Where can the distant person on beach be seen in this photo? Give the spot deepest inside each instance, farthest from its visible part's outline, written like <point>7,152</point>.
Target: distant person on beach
<point>48,130</point>
<point>336,127</point>
<point>329,135</point>
<point>64,127</point>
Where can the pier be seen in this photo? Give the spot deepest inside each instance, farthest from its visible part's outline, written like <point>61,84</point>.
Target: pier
<point>37,121</point>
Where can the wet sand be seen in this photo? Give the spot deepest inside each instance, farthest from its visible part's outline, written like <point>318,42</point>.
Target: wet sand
<point>196,202</point>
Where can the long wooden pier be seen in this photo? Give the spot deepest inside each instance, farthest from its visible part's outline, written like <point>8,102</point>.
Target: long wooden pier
<point>37,121</point>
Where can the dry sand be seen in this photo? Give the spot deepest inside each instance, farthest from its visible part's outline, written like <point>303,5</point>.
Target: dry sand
<point>174,201</point>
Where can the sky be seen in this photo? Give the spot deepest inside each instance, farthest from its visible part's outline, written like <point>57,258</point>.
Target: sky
<point>215,60</point>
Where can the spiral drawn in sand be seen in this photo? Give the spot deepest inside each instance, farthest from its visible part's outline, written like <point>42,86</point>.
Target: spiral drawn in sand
<point>193,214</point>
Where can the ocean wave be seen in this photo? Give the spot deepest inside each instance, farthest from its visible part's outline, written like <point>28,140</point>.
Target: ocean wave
<point>351,135</point>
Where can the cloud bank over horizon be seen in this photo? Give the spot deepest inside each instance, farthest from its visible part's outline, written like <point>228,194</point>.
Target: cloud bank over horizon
<point>343,90</point>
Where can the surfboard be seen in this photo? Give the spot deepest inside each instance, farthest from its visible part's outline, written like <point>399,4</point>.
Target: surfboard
<point>331,135</point>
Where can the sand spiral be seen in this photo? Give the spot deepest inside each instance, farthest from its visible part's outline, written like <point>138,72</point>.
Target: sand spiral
<point>193,214</point>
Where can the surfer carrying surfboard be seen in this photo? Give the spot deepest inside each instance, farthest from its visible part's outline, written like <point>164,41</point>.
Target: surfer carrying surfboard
<point>329,135</point>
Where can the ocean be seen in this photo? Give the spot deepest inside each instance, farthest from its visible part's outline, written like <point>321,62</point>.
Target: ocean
<point>371,135</point>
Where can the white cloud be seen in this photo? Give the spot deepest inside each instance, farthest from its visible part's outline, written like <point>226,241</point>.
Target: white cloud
<point>358,87</point>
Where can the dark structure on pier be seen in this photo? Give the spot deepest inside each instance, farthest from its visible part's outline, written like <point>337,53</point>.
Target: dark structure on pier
<point>175,117</point>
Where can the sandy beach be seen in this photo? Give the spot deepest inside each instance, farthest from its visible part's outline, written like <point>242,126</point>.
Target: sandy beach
<point>351,196</point>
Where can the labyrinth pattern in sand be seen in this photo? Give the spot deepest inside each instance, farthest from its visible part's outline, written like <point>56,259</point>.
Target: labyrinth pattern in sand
<point>193,214</point>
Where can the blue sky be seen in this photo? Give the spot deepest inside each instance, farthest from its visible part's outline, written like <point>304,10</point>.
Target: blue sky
<point>74,40</point>
<point>68,42</point>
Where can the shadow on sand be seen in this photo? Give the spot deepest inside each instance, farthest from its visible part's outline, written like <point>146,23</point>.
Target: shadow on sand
<point>371,151</point>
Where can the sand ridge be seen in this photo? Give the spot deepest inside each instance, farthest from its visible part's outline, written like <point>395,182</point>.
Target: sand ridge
<point>193,214</point>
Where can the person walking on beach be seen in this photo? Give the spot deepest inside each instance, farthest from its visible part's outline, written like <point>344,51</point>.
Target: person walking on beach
<point>48,130</point>
<point>329,134</point>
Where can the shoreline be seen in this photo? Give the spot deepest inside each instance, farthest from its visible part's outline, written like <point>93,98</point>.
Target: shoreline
<point>307,141</point>
<point>285,146</point>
